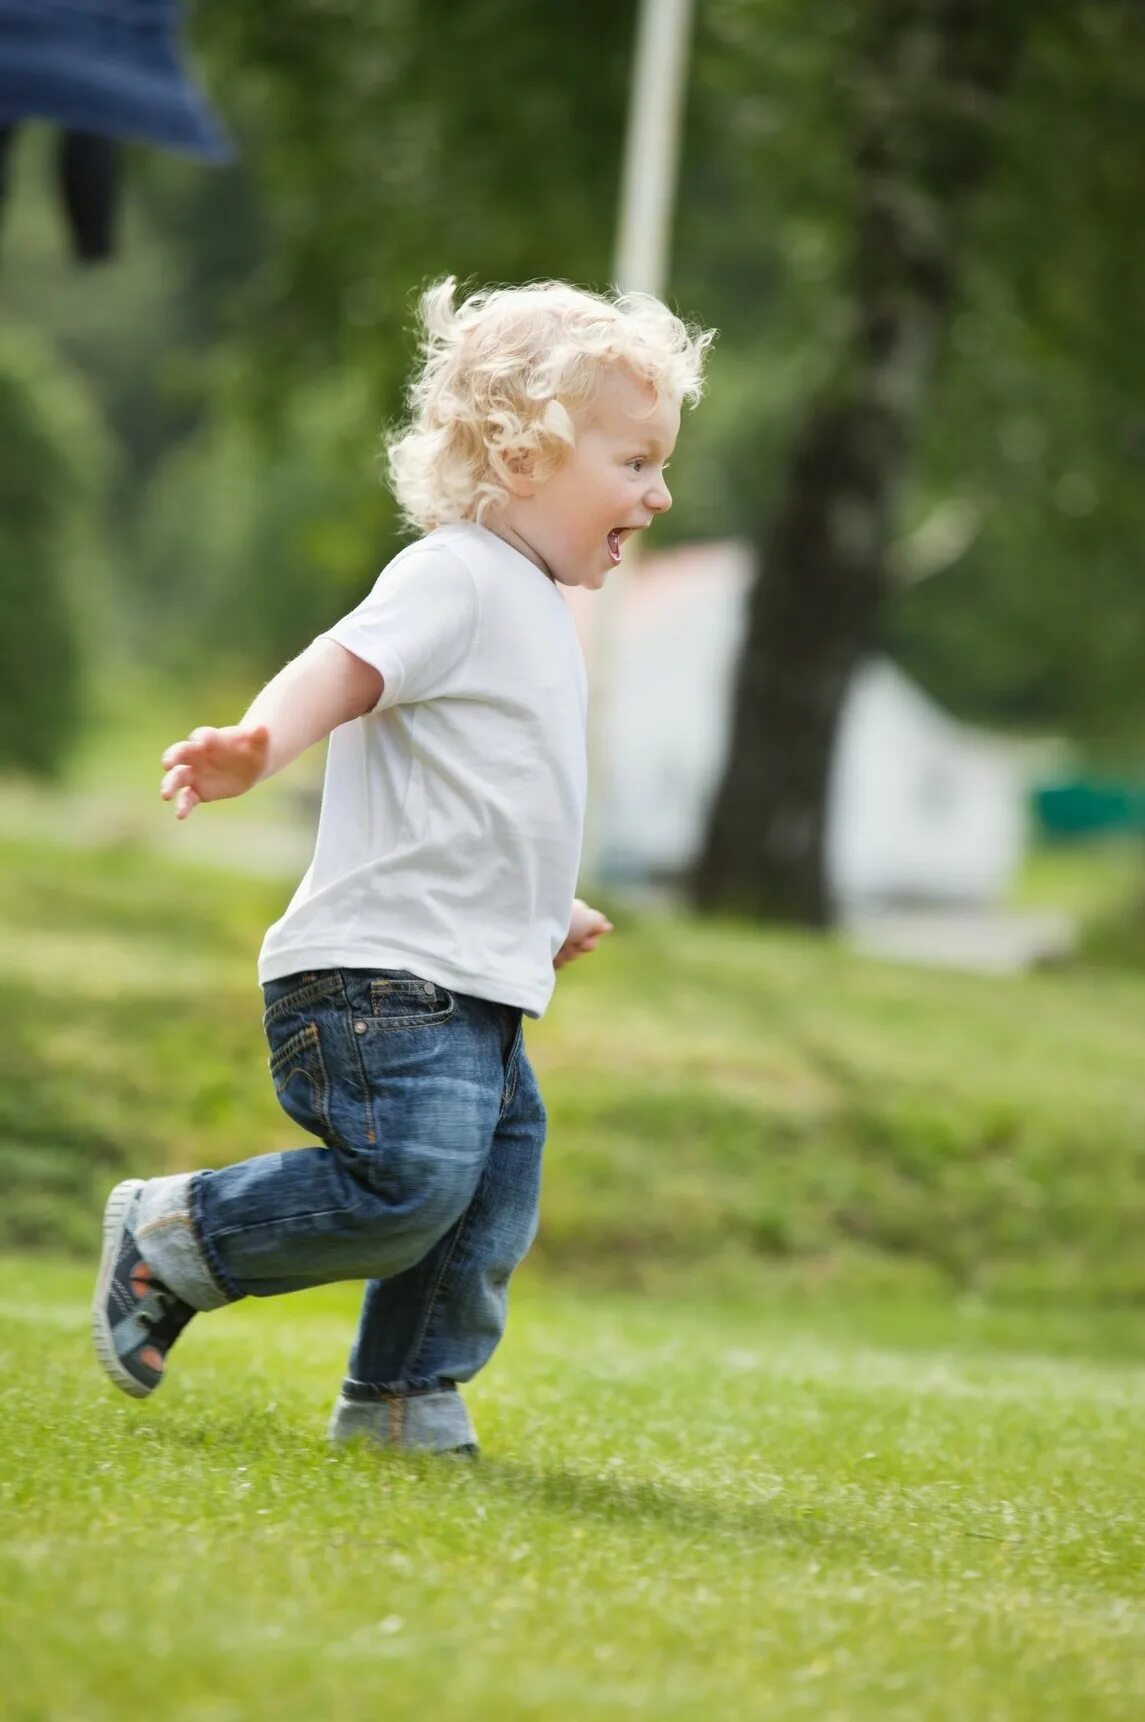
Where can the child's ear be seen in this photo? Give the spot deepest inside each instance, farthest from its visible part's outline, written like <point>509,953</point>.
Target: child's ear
<point>517,471</point>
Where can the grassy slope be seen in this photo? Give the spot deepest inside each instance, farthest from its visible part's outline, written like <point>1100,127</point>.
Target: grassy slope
<point>720,1097</point>
<point>801,1506</point>
<point>682,1512</point>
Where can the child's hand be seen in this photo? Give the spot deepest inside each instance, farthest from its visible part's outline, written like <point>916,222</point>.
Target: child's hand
<point>213,765</point>
<point>586,929</point>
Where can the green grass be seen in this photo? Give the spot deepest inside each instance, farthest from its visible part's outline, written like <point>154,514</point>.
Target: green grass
<point>682,1511</point>
<point>724,1101</point>
<point>823,1395</point>
<point>1102,884</point>
<point>1092,879</point>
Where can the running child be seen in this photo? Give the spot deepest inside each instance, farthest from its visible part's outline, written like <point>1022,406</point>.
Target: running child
<point>440,898</point>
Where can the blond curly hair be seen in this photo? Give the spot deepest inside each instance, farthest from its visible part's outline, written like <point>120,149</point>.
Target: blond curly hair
<point>503,375</point>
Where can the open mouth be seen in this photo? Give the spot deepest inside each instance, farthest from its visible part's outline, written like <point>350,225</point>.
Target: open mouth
<point>615,539</point>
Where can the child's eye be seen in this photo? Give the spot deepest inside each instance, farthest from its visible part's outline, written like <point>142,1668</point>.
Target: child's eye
<point>638,464</point>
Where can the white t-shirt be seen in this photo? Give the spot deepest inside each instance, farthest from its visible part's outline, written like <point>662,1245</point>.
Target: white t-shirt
<point>452,814</point>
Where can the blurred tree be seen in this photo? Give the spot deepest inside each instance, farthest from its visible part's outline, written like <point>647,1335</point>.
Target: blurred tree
<point>1037,437</point>
<point>51,479</point>
<point>377,160</point>
<point>376,157</point>
<point>438,171</point>
<point>925,94</point>
<point>399,140</point>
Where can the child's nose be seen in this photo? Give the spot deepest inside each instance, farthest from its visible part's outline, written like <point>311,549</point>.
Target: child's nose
<point>659,497</point>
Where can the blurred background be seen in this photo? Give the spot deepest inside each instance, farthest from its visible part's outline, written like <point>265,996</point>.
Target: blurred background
<point>877,679</point>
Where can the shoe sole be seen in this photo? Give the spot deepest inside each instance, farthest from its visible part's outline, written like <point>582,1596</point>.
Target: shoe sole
<point>114,1219</point>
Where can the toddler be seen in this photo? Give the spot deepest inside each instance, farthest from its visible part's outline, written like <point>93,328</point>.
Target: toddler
<point>440,898</point>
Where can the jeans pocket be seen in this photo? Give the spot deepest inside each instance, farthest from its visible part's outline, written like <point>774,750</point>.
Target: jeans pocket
<point>297,993</point>
<point>301,1082</point>
<point>400,1000</point>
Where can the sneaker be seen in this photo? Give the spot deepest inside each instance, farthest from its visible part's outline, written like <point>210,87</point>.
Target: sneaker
<point>135,1318</point>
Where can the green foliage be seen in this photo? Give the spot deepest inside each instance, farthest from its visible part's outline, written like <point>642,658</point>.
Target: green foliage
<point>256,542</point>
<point>1034,427</point>
<point>144,328</point>
<point>54,462</point>
<point>682,1509</point>
<point>397,141</point>
<point>253,336</point>
<point>1034,420</point>
<point>721,1100</point>
<point>1037,417</point>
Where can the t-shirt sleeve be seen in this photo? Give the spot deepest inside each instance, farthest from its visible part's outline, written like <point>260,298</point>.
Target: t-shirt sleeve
<point>416,627</point>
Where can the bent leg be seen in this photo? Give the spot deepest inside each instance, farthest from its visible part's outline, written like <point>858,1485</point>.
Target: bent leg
<point>403,1082</point>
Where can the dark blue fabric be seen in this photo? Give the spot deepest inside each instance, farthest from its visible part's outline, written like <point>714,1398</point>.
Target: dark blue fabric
<point>89,183</point>
<point>107,66</point>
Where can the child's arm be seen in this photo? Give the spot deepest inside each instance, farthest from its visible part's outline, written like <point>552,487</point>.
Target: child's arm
<point>324,687</point>
<point>586,929</point>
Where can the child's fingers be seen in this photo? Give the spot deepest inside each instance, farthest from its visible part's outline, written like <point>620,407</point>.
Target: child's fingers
<point>187,800</point>
<point>176,779</point>
<point>204,742</point>
<point>192,747</point>
<point>570,950</point>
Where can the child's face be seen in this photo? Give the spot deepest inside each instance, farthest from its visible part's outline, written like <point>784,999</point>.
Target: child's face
<point>610,484</point>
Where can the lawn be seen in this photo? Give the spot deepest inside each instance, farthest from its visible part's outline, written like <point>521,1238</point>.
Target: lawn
<point>824,1388</point>
<point>826,1509</point>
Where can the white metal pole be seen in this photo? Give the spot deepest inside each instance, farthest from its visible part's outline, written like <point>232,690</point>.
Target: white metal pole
<point>643,237</point>
<point>652,145</point>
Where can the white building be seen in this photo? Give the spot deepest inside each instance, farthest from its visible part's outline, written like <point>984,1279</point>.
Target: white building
<point>922,809</point>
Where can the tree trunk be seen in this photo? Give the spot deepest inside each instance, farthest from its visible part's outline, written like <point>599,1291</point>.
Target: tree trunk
<point>927,97</point>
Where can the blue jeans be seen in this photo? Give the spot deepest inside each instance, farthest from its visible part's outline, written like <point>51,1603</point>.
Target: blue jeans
<point>427,1187</point>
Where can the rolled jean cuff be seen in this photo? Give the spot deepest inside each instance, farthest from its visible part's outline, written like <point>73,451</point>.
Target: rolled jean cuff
<point>437,1421</point>
<point>169,1243</point>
